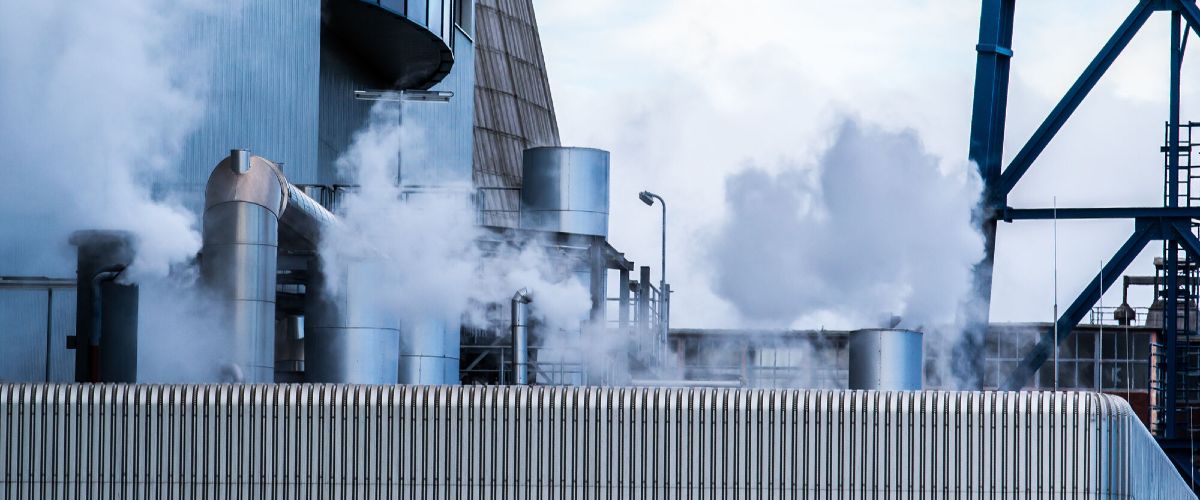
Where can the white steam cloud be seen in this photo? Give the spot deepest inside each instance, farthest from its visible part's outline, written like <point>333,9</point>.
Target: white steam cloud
<point>97,99</point>
<point>96,102</point>
<point>874,228</point>
<point>427,246</point>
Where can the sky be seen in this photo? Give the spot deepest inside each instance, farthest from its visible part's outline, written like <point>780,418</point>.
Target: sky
<point>689,95</point>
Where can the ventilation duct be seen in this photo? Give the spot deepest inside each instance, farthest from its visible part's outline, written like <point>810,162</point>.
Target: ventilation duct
<point>250,212</point>
<point>886,359</point>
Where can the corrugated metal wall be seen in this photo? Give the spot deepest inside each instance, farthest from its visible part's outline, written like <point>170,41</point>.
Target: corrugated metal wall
<point>34,325</point>
<point>305,441</point>
<point>513,106</point>
<point>263,86</point>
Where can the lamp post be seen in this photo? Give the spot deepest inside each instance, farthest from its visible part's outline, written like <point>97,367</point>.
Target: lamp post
<point>663,308</point>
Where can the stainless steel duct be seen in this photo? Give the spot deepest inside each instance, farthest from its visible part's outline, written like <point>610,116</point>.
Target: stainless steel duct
<point>352,337</point>
<point>106,310</point>
<point>886,359</point>
<point>565,190</point>
<point>520,336</point>
<point>246,199</point>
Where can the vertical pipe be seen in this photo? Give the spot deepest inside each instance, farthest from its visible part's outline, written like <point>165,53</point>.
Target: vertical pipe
<point>643,300</point>
<point>623,300</point>
<point>520,336</point>
<point>49,330</point>
<point>244,199</point>
<point>665,313</point>
<point>598,283</point>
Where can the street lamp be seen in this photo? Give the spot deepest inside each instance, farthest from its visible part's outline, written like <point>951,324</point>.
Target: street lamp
<point>663,310</point>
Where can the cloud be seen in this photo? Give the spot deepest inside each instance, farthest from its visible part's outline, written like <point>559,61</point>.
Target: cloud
<point>873,228</point>
<point>689,92</point>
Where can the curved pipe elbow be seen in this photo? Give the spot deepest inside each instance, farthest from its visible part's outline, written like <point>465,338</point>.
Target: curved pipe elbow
<point>242,177</point>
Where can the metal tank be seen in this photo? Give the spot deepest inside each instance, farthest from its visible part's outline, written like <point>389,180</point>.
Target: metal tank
<point>106,322</point>
<point>352,337</point>
<point>249,207</point>
<point>886,359</point>
<point>565,190</point>
<point>429,351</point>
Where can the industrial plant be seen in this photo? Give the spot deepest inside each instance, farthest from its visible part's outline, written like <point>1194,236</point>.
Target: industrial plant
<point>402,285</point>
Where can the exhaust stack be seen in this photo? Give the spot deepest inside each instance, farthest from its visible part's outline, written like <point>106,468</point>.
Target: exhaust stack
<point>106,320</point>
<point>247,206</point>
<point>520,336</point>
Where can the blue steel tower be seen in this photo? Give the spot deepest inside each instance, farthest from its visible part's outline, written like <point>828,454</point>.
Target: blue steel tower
<point>1173,223</point>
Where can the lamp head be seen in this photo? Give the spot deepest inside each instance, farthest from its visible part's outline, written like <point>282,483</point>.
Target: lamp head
<point>645,197</point>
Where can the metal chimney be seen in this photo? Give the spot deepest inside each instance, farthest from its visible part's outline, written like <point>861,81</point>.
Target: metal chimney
<point>886,359</point>
<point>520,336</point>
<point>106,319</point>
<point>246,202</point>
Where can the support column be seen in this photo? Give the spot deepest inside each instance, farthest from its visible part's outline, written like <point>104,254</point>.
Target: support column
<point>987,147</point>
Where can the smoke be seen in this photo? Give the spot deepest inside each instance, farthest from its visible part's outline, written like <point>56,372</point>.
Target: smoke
<point>874,227</point>
<point>424,245</point>
<point>97,99</point>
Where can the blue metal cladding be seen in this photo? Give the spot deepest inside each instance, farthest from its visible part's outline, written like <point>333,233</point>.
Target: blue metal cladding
<point>340,113</point>
<point>23,323</point>
<point>262,89</point>
<point>34,325</point>
<point>446,130</point>
<point>353,441</point>
<point>443,149</point>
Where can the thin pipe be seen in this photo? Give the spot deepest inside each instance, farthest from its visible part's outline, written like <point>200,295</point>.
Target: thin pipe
<point>107,273</point>
<point>520,336</point>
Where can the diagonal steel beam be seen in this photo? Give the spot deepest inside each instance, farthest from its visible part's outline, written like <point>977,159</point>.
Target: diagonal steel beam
<point>1190,12</point>
<point>1054,122</point>
<point>1146,231</point>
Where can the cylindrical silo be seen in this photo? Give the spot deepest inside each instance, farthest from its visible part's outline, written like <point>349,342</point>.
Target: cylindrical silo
<point>886,359</point>
<point>565,190</point>
<point>352,335</point>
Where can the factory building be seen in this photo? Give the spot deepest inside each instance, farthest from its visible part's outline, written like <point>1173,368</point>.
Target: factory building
<point>321,388</point>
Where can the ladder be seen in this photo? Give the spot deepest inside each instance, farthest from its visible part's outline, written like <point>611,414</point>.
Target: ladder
<point>1187,356</point>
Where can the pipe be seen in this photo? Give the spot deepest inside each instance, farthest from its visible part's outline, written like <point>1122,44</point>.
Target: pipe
<point>250,212</point>
<point>108,273</point>
<point>520,336</point>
